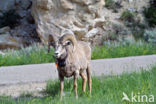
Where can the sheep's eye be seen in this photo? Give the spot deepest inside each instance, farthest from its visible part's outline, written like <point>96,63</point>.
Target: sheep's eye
<point>68,43</point>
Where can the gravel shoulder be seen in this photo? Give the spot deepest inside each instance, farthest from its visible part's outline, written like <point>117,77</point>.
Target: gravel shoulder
<point>17,90</point>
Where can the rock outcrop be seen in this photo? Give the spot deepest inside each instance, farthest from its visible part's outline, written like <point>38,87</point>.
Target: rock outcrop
<point>90,20</point>
<point>8,41</point>
<point>12,11</point>
<point>80,16</point>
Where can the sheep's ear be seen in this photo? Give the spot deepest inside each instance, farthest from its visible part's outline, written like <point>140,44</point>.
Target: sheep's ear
<point>51,38</point>
<point>51,42</point>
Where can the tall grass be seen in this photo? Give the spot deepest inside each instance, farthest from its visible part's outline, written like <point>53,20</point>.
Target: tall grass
<point>36,54</point>
<point>123,50</point>
<point>30,55</point>
<point>105,90</point>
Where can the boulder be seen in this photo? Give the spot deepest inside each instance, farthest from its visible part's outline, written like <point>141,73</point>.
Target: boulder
<point>53,16</point>
<point>7,5</point>
<point>99,22</point>
<point>4,30</point>
<point>9,42</point>
<point>24,3</point>
<point>66,5</point>
<point>92,32</point>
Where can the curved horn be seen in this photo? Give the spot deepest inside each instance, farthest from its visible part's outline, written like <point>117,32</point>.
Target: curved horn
<point>70,37</point>
<point>51,40</point>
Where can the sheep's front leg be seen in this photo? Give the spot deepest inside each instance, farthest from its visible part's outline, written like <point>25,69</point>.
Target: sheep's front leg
<point>75,83</point>
<point>61,86</point>
<point>75,86</point>
<point>84,78</point>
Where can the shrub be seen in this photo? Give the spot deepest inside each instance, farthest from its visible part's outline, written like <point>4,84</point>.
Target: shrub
<point>137,32</point>
<point>127,16</point>
<point>110,4</point>
<point>150,35</point>
<point>110,36</point>
<point>120,29</point>
<point>133,23</point>
<point>9,18</point>
<point>150,13</point>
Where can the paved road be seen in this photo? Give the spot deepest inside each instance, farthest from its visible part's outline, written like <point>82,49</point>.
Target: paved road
<point>44,72</point>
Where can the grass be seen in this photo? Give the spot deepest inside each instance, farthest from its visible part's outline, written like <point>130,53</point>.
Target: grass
<point>114,51</point>
<point>105,90</point>
<point>37,55</point>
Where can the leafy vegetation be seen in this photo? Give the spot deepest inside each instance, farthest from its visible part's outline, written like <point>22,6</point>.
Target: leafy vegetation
<point>105,90</point>
<point>138,30</point>
<point>150,35</point>
<point>131,21</point>
<point>36,54</point>
<point>150,13</point>
<point>111,4</point>
<point>127,16</point>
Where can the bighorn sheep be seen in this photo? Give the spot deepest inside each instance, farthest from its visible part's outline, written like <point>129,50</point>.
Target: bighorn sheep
<point>72,59</point>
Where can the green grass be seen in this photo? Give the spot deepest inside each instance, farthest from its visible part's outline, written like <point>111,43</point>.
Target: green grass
<point>105,90</point>
<point>37,55</point>
<point>114,51</point>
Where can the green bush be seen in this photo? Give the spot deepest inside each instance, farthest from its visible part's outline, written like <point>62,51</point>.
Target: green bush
<point>111,4</point>
<point>133,23</point>
<point>137,32</point>
<point>111,36</point>
<point>9,18</point>
<point>150,14</point>
<point>128,16</point>
<point>150,35</point>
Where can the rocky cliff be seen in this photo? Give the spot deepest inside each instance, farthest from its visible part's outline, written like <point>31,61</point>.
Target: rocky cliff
<point>83,17</point>
<point>90,20</point>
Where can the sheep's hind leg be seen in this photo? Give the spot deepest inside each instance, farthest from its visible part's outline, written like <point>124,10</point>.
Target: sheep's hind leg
<point>84,78</point>
<point>89,79</point>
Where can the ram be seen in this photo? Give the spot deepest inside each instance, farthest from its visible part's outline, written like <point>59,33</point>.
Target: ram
<point>72,59</point>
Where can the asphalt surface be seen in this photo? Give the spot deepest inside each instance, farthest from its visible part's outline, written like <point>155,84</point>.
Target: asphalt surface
<point>103,67</point>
